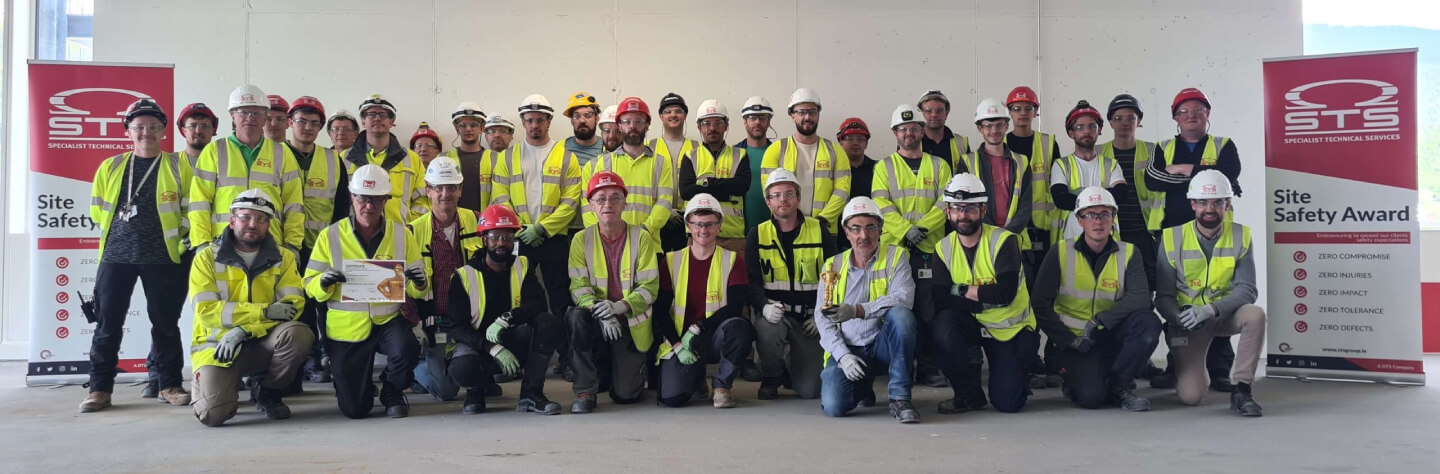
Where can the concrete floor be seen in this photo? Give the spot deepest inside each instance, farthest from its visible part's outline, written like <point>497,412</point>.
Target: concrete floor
<point>1322,427</point>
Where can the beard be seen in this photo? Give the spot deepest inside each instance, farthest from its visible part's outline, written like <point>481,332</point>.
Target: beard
<point>584,133</point>
<point>966,227</point>
<point>504,258</point>
<point>806,129</point>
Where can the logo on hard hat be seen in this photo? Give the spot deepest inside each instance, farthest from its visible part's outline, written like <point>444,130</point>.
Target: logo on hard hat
<point>1095,198</point>
<point>1022,95</point>
<point>994,109</point>
<point>504,220</point>
<point>632,107</point>
<point>709,110</point>
<point>1310,111</point>
<point>605,180</point>
<point>1209,188</point>
<point>907,115</point>
<point>247,97</point>
<point>367,184</point>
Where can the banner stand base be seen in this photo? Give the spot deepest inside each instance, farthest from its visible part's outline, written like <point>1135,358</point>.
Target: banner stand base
<point>1343,376</point>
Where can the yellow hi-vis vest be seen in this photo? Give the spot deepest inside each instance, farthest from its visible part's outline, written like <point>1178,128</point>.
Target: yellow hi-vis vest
<point>407,185</point>
<point>801,274</point>
<point>639,277</point>
<point>350,321</point>
<point>1067,166</point>
<point>172,185</point>
<point>227,296</point>
<point>721,263</point>
<point>1082,295</point>
<point>1152,203</point>
<point>1018,163</point>
<point>707,165</point>
<point>322,180</point>
<point>959,147</point>
<point>560,188</point>
<point>649,184</point>
<point>662,148</point>
<point>880,272</point>
<point>831,189</point>
<point>1042,210</point>
<point>423,228</point>
<point>1209,156</point>
<point>220,177</point>
<point>486,173</point>
<point>474,284</point>
<point>1002,321</point>
<point>1202,280</point>
<point>909,200</point>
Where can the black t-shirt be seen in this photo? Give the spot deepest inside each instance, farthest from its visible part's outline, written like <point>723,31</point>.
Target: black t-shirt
<point>1132,218</point>
<point>861,178</point>
<point>141,239</point>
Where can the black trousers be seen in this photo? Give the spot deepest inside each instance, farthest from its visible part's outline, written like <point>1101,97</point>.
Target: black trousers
<point>532,343</point>
<point>1120,353</point>
<point>552,258</point>
<point>956,334</point>
<point>165,286</point>
<point>312,316</point>
<point>596,360</point>
<point>352,365</point>
<point>727,346</point>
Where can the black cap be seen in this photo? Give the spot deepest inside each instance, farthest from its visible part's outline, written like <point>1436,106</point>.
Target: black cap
<point>673,99</point>
<point>145,107</point>
<point>1124,101</point>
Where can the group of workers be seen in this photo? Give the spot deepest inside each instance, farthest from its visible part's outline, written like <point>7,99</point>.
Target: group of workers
<point>643,261</point>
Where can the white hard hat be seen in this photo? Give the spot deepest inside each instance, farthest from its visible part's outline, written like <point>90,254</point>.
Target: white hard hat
<point>703,202</point>
<point>443,170</point>
<point>370,180</point>
<point>377,100</point>
<point>247,95</point>
<point>756,105</point>
<point>904,114</point>
<point>991,109</point>
<point>254,199</point>
<point>467,109</point>
<point>803,95</point>
<point>340,115</point>
<point>536,103</point>
<point>1209,184</point>
<point>966,187</point>
<point>711,108</point>
<point>608,115</point>
<point>781,175</point>
<point>498,120</point>
<point>1095,196</point>
<point>861,206</point>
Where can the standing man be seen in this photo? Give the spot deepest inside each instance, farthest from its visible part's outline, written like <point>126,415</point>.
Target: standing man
<point>854,137</point>
<point>719,170</point>
<point>343,134</point>
<point>326,199</point>
<point>614,279</point>
<point>939,141</point>
<point>378,146</point>
<point>583,111</point>
<point>1041,149</point>
<point>610,135</point>
<point>426,143</point>
<point>137,203</point>
<point>756,114</point>
<point>446,243</point>
<point>1140,208</point>
<point>649,176</point>
<point>813,160</point>
<point>247,293</point>
<point>197,124</point>
<point>672,146</point>
<point>499,132</point>
<point>1091,298</point>
<point>476,164</point>
<point>355,332</point>
<point>867,318</point>
<point>1082,169</point>
<point>275,119</point>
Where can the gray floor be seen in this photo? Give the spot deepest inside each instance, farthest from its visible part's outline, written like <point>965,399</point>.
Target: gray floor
<point>1308,427</point>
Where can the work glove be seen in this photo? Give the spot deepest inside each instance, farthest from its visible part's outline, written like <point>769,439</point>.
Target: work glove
<point>1192,317</point>
<point>915,235</point>
<point>684,354</point>
<point>611,329</point>
<point>501,323</point>
<point>228,348</point>
<point>608,309</point>
<point>810,329</point>
<point>416,275</point>
<point>842,313</point>
<point>331,277</point>
<point>418,331</point>
<point>443,324</point>
<point>774,311</point>
<point>530,236</point>
<point>507,361</point>
<point>1086,341</point>
<point>853,366</point>
<point>280,311</point>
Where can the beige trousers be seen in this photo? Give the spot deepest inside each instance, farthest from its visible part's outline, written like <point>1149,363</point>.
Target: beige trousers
<point>1192,381</point>
<point>283,350</point>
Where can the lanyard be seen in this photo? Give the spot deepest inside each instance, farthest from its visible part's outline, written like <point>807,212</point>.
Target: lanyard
<point>128,209</point>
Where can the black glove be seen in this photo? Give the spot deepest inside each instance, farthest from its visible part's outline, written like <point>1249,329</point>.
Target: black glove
<point>331,277</point>
<point>416,275</point>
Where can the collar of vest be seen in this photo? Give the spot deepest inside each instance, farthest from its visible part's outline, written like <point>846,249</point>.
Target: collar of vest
<point>225,253</point>
<point>394,154</point>
<point>1080,246</point>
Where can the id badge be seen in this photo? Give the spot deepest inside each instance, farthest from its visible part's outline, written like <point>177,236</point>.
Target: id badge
<point>1179,341</point>
<point>440,338</point>
<point>924,273</point>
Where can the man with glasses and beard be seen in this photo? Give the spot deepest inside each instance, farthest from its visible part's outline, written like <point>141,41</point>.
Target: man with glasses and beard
<point>756,116</point>
<point>377,146</point>
<point>584,112</point>
<point>649,176</point>
<point>197,124</point>
<point>719,170</point>
<point>326,201</point>
<point>610,136</point>
<point>813,160</point>
<point>1081,169</point>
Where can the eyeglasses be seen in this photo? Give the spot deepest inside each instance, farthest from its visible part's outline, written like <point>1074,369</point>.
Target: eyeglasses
<point>586,115</point>
<point>1085,127</point>
<point>1188,111</point>
<point>603,200</point>
<point>869,229</point>
<point>535,120</point>
<point>200,127</point>
<point>703,225</point>
<point>374,115</point>
<point>343,130</point>
<point>908,129</point>
<point>497,130</point>
<point>137,128</point>
<point>1000,125</point>
<point>253,218</point>
<point>1211,203</point>
<point>446,188</point>
<point>426,145</point>
<point>964,208</point>
<point>1022,108</point>
<point>629,122</point>
<point>373,200</point>
<point>303,123</point>
<point>712,123</point>
<point>468,125</point>
<point>1095,216</point>
<point>806,112</point>
<point>499,238</point>
<point>1124,119</point>
<point>784,195</point>
<point>249,114</point>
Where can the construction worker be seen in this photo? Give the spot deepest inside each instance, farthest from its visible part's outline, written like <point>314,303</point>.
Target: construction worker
<point>376,145</point>
<point>276,121</point>
<point>246,160</point>
<point>426,143</point>
<point>1207,290</point>
<point>356,331</point>
<point>939,141</point>
<point>1081,169</point>
<point>704,291</point>
<point>610,136</point>
<point>137,201</point>
<point>1139,207</point>
<point>1092,299</point>
<point>497,320</point>
<point>476,163</point>
<point>499,132</point>
<point>783,257</point>
<point>719,170</point>
<point>756,114</point>
<point>446,242</point>
<point>343,134</point>
<point>867,318</point>
<point>248,294</point>
<point>1042,150</point>
<point>854,137</point>
<point>907,187</point>
<point>326,199</point>
<point>813,160</point>
<point>986,304</point>
<point>614,280</point>
<point>672,146</point>
<point>197,124</point>
<point>584,112</point>
<point>649,177</point>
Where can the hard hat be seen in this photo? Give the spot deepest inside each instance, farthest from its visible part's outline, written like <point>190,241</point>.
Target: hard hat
<point>246,95</point>
<point>197,108</point>
<point>712,108</point>
<point>144,107</point>
<point>443,170</point>
<point>1023,94</point>
<point>423,132</point>
<point>703,202</point>
<point>904,114</point>
<point>370,180</point>
<point>498,120</point>
<point>1209,184</point>
<point>467,109</point>
<point>673,99</point>
<point>1083,109</point>
<point>990,109</point>
<point>1189,93</point>
<point>278,103</point>
<point>801,96</point>
<point>536,103</point>
<point>852,126</point>
<point>966,188</point>
<point>1095,196</point>
<point>341,115</point>
<point>934,94</point>
<point>604,179</point>
<point>497,216</point>
<point>376,100</point>
<point>632,105</point>
<point>608,115</point>
<point>781,175</point>
<point>861,206</point>
<point>306,102</point>
<point>581,99</point>
<point>256,199</point>
<point>756,105</point>
<point>1124,101</point>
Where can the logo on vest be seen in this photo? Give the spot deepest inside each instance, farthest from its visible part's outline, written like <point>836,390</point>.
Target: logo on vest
<point>485,178</point>
<point>982,281</point>
<point>315,183</point>
<point>625,274</point>
<point>1195,283</point>
<point>1109,284</point>
<point>263,163</point>
<point>822,164</point>
<point>722,173</point>
<point>552,170</point>
<point>169,196</point>
<point>928,181</point>
<point>712,297</point>
<point>1037,168</point>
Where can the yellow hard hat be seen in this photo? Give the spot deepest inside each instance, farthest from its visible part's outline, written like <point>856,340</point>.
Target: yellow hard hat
<point>581,99</point>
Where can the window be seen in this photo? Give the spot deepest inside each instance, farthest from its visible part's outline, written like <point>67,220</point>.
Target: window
<point>64,30</point>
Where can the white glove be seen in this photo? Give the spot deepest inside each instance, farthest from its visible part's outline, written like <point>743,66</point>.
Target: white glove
<point>853,366</point>
<point>280,311</point>
<point>915,235</point>
<point>611,329</point>
<point>1192,317</point>
<point>228,348</point>
<point>774,312</point>
<point>601,310</point>
<point>618,308</point>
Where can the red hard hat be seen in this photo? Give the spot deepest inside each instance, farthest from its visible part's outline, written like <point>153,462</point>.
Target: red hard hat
<point>604,179</point>
<point>853,126</point>
<point>1023,94</point>
<point>1189,93</point>
<point>498,216</point>
<point>197,108</point>
<point>632,105</point>
<point>1082,109</point>
<point>424,131</point>
<point>306,102</point>
<point>278,103</point>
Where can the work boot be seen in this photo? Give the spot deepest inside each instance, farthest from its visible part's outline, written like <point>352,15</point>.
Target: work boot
<point>493,390</point>
<point>1054,380</point>
<point>316,374</point>
<point>1242,402</point>
<point>1128,400</point>
<point>769,389</point>
<point>1037,382</point>
<point>537,404</point>
<point>961,405</point>
<point>175,396</point>
<point>1165,380</point>
<point>95,401</point>
<point>749,372</point>
<point>584,403</point>
<point>418,389</point>
<point>701,393</point>
<point>904,411</point>
<point>396,406</point>
<point>269,402</point>
<point>1150,370</point>
<point>1221,384</point>
<point>151,390</point>
<point>933,378</point>
<point>296,387</point>
<point>474,402</point>
<point>722,398</point>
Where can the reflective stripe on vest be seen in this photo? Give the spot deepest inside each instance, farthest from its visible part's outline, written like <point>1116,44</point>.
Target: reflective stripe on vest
<point>632,270</point>
<point>707,165</point>
<point>972,164</point>
<point>1082,295</point>
<point>378,313</point>
<point>268,173</point>
<point>552,183</point>
<point>1003,321</point>
<point>322,181</point>
<point>170,199</point>
<point>1043,215</point>
<point>912,198</point>
<point>827,174</point>
<point>715,286</point>
<point>1203,280</point>
<point>475,288</point>
<point>807,252</point>
<point>642,195</point>
<point>880,272</point>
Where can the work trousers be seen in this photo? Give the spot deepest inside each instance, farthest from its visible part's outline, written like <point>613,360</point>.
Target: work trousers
<point>532,344</point>
<point>589,351</point>
<point>1120,352</point>
<point>165,286</point>
<point>893,348</point>
<point>1191,377</point>
<point>281,352</point>
<point>352,365</point>
<point>957,334</point>
<point>726,346</point>
<point>806,355</point>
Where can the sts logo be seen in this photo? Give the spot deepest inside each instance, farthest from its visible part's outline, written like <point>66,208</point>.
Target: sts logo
<point>1342,106</point>
<point>90,114</point>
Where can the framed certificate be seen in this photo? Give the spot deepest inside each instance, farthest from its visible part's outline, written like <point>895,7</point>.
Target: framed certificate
<point>373,281</point>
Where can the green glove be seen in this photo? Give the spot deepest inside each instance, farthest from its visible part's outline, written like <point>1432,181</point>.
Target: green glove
<point>501,323</point>
<point>530,236</point>
<point>684,354</point>
<point>508,363</point>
